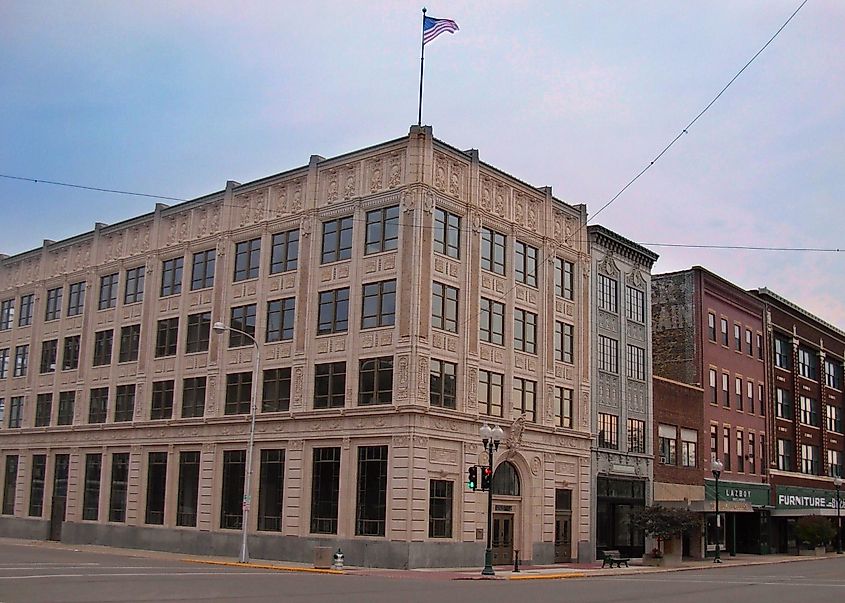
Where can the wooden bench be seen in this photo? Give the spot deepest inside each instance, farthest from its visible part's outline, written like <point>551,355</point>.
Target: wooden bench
<point>611,558</point>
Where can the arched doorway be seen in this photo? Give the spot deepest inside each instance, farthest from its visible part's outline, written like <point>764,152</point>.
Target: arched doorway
<point>506,509</point>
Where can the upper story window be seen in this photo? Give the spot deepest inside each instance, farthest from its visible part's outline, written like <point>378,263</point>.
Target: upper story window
<point>444,307</point>
<point>525,263</point>
<point>242,319</point>
<point>525,331</point>
<point>167,337</point>
<point>749,342</point>
<point>447,233</point>
<point>134,291</point>
<point>284,253</point>
<point>202,270</point>
<point>608,354</point>
<point>783,352</point>
<point>337,240</point>
<point>21,360</point>
<point>171,276</point>
<point>382,230</point>
<point>608,296</point>
<point>334,311</point>
<point>783,403</point>
<point>7,314</point>
<point>636,362</point>
<point>53,309</point>
<point>108,291</point>
<point>76,299</point>
<point>378,307</point>
<point>102,347</point>
<point>4,363</point>
<point>808,363</point>
<point>247,259</point>
<point>608,431</point>
<point>636,435</point>
<point>833,373</point>
<point>27,302</point>
<point>635,306</point>
<point>280,319</point>
<point>564,279</point>
<point>723,323</point>
<point>564,342</point>
<point>738,337</point>
<point>711,327</point>
<point>809,411</point>
<point>492,321</point>
<point>493,246</point>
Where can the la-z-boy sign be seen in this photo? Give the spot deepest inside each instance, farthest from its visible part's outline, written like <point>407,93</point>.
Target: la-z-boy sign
<point>805,498</point>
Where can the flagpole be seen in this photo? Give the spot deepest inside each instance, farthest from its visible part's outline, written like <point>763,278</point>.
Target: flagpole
<point>422,63</point>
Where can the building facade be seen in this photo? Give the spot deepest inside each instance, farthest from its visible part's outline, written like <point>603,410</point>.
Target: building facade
<point>620,299</point>
<point>710,333</point>
<point>400,296</point>
<point>807,444</point>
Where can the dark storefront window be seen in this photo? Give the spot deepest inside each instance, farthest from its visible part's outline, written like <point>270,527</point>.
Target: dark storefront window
<point>617,499</point>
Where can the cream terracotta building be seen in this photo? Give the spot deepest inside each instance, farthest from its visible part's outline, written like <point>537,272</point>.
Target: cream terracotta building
<point>401,295</point>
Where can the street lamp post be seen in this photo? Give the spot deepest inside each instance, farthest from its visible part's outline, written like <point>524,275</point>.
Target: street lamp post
<point>491,439</point>
<point>837,483</point>
<point>716,467</point>
<point>220,328</point>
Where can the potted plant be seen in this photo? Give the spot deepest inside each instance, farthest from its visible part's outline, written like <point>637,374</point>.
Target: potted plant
<point>814,532</point>
<point>663,523</point>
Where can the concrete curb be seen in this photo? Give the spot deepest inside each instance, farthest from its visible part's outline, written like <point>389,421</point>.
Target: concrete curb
<point>280,568</point>
<point>550,576</point>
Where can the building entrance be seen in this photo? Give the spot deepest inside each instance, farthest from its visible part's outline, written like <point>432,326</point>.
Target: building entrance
<point>502,538</point>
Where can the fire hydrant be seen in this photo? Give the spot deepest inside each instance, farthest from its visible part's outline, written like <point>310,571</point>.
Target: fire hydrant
<point>338,560</point>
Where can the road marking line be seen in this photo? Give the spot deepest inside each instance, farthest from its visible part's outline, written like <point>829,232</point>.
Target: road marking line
<point>735,582</point>
<point>138,574</point>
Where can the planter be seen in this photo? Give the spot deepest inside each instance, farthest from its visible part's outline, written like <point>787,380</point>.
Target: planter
<point>653,561</point>
<point>819,551</point>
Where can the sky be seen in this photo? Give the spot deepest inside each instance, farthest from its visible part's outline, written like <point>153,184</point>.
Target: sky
<point>176,97</point>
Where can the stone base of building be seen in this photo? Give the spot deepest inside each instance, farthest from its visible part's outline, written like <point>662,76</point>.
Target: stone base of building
<point>25,528</point>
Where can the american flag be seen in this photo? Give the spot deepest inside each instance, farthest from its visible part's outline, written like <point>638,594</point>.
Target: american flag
<point>434,27</point>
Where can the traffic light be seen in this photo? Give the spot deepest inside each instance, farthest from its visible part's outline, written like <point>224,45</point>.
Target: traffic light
<point>486,478</point>
<point>472,478</point>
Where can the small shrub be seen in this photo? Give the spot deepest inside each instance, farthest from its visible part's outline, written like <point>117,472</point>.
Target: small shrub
<point>814,530</point>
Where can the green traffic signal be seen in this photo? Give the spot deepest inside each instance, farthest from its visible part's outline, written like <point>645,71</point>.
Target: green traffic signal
<point>472,478</point>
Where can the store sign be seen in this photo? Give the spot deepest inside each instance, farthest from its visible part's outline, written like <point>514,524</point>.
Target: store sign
<point>753,494</point>
<point>792,497</point>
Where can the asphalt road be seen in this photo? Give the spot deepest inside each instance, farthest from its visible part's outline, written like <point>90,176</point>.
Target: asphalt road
<point>37,572</point>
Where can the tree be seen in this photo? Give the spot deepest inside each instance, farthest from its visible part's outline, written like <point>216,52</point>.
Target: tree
<point>814,530</point>
<point>664,523</point>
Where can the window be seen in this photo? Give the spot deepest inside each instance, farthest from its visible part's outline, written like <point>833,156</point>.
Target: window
<point>156,488</point>
<point>726,445</point>
<point>834,463</point>
<point>124,403</point>
<point>167,337</point>
<point>738,337</point>
<point>102,347</point>
<point>738,392</point>
<point>238,393</point>
<point>809,411</point>
<point>202,271</point>
<point>49,351</point>
<point>10,483</point>
<point>67,402</point>
<point>2,411</point>
<point>130,341</point>
<point>783,352</point>
<point>608,431</point>
<point>284,251</point>
<point>4,363</point>
<point>608,298</point>
<point>749,392</point>
<point>330,385</point>
<point>15,412</point>
<point>524,331</point>
<point>337,240</point>
<point>280,319</point>
<point>752,446</point>
<point>711,327</point>
<point>525,398</point>
<point>785,455</point>
<point>564,342</point>
<point>60,477</point>
<point>98,405</point>
<point>334,311</point>
<point>749,342</point>
<point>198,333</point>
<point>636,362</point>
<point>382,229</point>
<point>171,276</point>
<point>43,409</point>
<point>108,291</point>
<point>21,360</point>
<point>162,402</point>
<point>27,303</point>
<point>36,485</point>
<point>193,397</point>
<point>667,436</point>
<point>76,299</point>
<point>713,393</point>
<point>833,418</point>
<point>232,492</point>
<point>91,492</point>
<point>759,346</point>
<point>247,259</point>
<point>443,384</point>
<point>325,490</point>
<point>188,493</point>
<point>447,233</point>
<point>440,508</point>
<point>7,314</point>
<point>740,451</point>
<point>134,291</point>
<point>726,393</point>
<point>636,436</point>
<point>444,307</point>
<point>119,486</point>
<point>608,354</point>
<point>808,363</point>
<point>635,308</point>
<point>723,324</point>
<point>53,307</point>
<point>563,407</point>
<point>761,406</point>
<point>564,280</point>
<point>493,252</point>
<point>378,306</point>
<point>810,459</point>
<point>689,443</point>
<point>525,263</point>
<point>371,500</point>
<point>492,321</point>
<point>271,487</point>
<point>783,403</point>
<point>490,393</point>
<point>714,442</point>
<point>276,391</point>
<point>375,381</point>
<point>833,374</point>
<point>242,319</point>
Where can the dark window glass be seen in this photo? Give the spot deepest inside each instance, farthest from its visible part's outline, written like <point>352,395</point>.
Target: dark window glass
<point>76,299</point>
<point>162,400</point>
<point>49,351</point>
<point>156,488</point>
<point>378,307</point>
<point>635,308</point>
<point>7,314</point>
<point>36,485</point>
<point>525,263</point>
<point>232,492</point>
<point>375,381</point>
<point>371,506</point>
<point>15,412</point>
<point>440,508</point>
<point>238,392</point>
<point>493,251</point>
<point>134,291</point>
<point>188,495</point>
<point>382,229</point>
<point>525,331</point>
<point>171,276</point>
<point>490,393</point>
<point>130,342</point>
<point>21,361</point>
<point>444,307</point>
<point>563,407</point>
<point>608,431</point>
<point>325,483</point>
<point>193,397</point>
<point>10,482</point>
<point>333,311</point>
<point>98,405</point>
<point>198,333</point>
<point>608,354</point>
<point>242,319</point>
<point>285,251</point>
<point>330,385</point>
<point>271,488</point>
<point>53,307</point>
<point>280,319</point>
<point>525,398</point>
<point>492,321</point>
<point>43,409</point>
<point>102,347</point>
<point>337,240</point>
<point>447,233</point>
<point>67,401</point>
<point>167,337</point>
<point>119,486</point>
<point>608,296</point>
<point>108,291</point>
<point>247,259</point>
<point>91,493</point>
<point>4,363</point>
<point>27,303</point>
<point>124,403</point>
<point>564,280</point>
<point>564,342</point>
<point>443,384</point>
<point>202,272</point>
<point>276,396</point>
